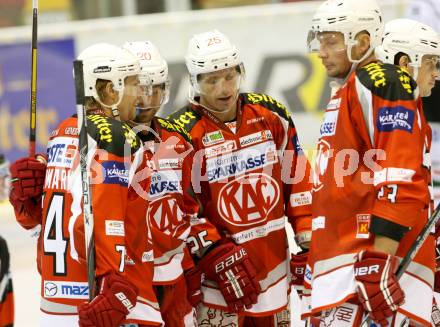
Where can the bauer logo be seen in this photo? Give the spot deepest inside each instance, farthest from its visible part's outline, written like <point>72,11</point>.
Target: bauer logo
<point>392,118</point>
<point>115,173</point>
<point>102,69</point>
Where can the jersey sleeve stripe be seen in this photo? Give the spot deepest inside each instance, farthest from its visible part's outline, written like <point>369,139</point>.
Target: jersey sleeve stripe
<point>365,98</point>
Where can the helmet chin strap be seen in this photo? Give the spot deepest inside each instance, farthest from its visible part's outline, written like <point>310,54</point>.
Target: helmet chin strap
<point>365,56</point>
<point>113,107</point>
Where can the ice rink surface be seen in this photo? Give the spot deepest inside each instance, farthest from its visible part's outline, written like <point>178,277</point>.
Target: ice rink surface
<point>26,279</point>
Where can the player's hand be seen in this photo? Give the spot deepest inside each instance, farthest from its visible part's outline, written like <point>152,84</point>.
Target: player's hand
<point>230,267</point>
<point>115,300</point>
<point>193,279</point>
<point>377,286</point>
<point>27,180</point>
<point>298,264</point>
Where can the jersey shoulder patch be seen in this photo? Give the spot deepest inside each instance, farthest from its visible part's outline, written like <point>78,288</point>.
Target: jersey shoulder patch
<point>267,102</point>
<point>112,135</point>
<point>185,118</point>
<point>170,126</point>
<point>387,81</point>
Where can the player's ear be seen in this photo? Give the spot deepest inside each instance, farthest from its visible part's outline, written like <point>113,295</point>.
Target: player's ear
<point>109,94</point>
<point>404,61</point>
<point>363,42</point>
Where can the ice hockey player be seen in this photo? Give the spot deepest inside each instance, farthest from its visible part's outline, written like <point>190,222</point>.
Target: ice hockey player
<point>172,204</point>
<point>122,246</point>
<point>250,172</point>
<point>414,47</point>
<point>6,291</point>
<point>370,192</point>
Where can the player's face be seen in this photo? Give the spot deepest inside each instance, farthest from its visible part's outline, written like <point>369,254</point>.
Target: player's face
<point>218,90</point>
<point>333,54</point>
<point>428,72</point>
<point>150,102</point>
<point>130,99</point>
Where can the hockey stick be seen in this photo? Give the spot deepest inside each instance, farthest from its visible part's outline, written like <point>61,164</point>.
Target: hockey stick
<point>33,109</point>
<point>415,247</point>
<point>85,177</point>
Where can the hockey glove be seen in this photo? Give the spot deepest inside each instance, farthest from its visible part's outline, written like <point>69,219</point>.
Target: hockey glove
<point>116,298</point>
<point>297,269</point>
<point>193,278</point>
<point>377,286</point>
<point>230,267</point>
<point>27,179</point>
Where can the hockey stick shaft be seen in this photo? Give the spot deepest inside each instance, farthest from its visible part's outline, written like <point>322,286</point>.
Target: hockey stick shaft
<point>415,247</point>
<point>85,176</point>
<point>33,108</point>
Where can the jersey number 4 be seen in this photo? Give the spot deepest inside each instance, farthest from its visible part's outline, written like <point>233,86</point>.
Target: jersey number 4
<point>54,241</point>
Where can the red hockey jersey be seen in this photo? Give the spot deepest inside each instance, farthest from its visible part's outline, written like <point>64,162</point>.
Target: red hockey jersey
<point>372,159</point>
<point>172,203</point>
<point>249,177</point>
<point>121,232</point>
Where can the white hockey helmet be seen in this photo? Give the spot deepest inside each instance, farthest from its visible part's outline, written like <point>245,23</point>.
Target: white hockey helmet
<point>154,69</point>
<point>409,37</point>
<point>348,17</point>
<point>209,52</point>
<point>152,63</point>
<point>107,62</point>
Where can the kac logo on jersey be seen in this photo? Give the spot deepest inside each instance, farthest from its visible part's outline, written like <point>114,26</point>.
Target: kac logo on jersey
<point>115,173</point>
<point>392,118</point>
<point>248,199</point>
<point>166,214</point>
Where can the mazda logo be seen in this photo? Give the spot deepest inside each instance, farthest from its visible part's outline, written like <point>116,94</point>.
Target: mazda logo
<point>50,289</point>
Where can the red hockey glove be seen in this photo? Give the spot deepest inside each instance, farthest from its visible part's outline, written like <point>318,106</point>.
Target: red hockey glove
<point>230,267</point>
<point>27,179</point>
<point>193,278</point>
<point>115,300</point>
<point>297,269</point>
<point>377,286</point>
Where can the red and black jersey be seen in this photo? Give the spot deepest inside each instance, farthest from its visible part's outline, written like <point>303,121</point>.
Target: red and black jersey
<point>372,161</point>
<point>249,174</point>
